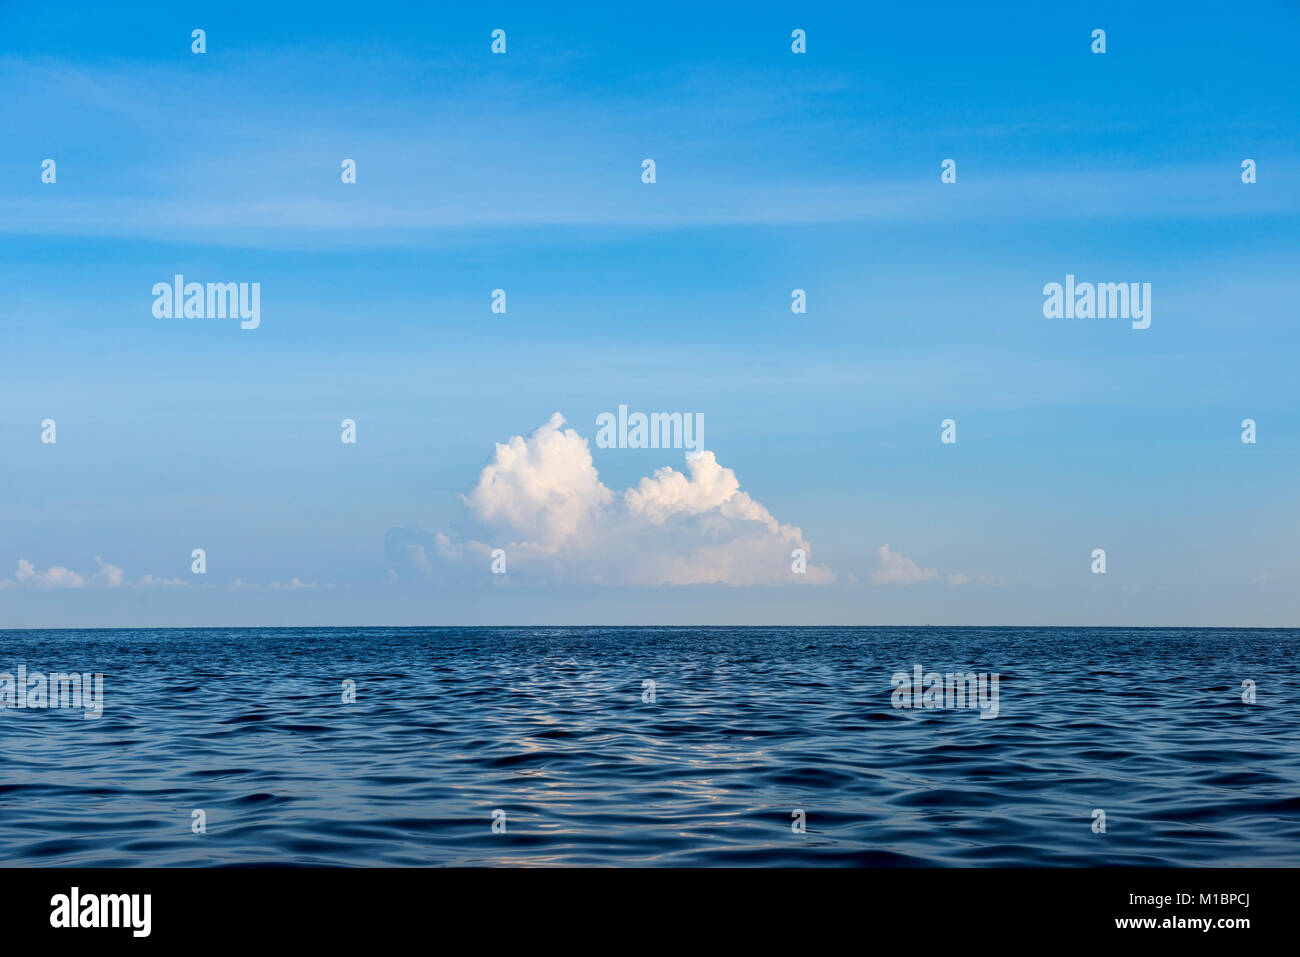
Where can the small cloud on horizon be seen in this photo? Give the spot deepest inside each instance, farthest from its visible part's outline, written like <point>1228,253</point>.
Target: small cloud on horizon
<point>59,576</point>
<point>897,569</point>
<point>295,584</point>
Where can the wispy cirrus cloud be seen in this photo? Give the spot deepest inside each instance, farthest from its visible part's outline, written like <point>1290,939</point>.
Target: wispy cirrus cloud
<point>461,171</point>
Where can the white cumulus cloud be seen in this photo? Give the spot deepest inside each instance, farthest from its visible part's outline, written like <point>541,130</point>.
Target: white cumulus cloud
<point>897,569</point>
<point>545,487</point>
<point>57,576</point>
<point>540,499</point>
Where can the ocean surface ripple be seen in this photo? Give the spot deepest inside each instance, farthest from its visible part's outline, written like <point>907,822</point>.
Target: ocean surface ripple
<point>747,726</point>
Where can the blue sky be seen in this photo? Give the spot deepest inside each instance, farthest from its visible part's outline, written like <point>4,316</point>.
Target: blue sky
<point>775,171</point>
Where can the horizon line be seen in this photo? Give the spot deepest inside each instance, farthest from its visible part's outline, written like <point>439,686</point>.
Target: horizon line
<point>679,626</point>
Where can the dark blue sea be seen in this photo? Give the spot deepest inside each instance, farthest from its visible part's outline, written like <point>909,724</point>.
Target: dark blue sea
<point>747,727</point>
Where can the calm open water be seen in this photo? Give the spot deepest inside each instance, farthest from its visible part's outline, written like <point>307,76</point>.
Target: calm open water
<point>747,725</point>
